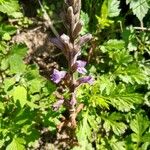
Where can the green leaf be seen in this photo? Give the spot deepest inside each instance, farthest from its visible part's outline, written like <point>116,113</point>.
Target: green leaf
<point>1,1</point>
<point>19,49</point>
<point>113,122</point>
<point>32,73</point>
<point>129,36</point>
<point>121,57</point>
<point>84,133</point>
<point>6,37</point>
<point>146,137</point>
<point>139,126</point>
<point>139,8</point>
<point>117,52</point>
<point>8,82</point>
<point>132,74</point>
<point>103,23</point>
<point>145,146</point>
<point>85,20</point>
<point>125,101</point>
<point>49,88</point>
<point>17,14</point>
<point>113,45</point>
<point>1,143</point>
<point>105,85</point>
<point>4,64</point>
<point>2,107</point>
<point>117,145</point>
<point>7,30</point>
<point>119,96</point>
<point>113,8</point>
<point>16,64</point>
<point>16,144</point>
<point>99,101</point>
<point>20,94</point>
<point>110,8</point>
<point>35,85</point>
<point>9,6</point>
<point>104,9</point>
<point>3,47</point>
<point>15,58</point>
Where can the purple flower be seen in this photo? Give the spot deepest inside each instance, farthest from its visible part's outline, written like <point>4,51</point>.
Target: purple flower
<point>57,105</point>
<point>80,66</point>
<point>57,75</point>
<point>86,79</point>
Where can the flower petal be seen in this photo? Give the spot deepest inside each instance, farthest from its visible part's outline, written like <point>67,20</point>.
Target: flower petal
<point>81,63</point>
<point>80,66</point>
<point>57,75</point>
<point>84,39</point>
<point>81,70</point>
<point>86,79</point>
<point>57,42</point>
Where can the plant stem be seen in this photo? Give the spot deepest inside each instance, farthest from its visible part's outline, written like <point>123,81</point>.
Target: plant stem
<point>48,19</point>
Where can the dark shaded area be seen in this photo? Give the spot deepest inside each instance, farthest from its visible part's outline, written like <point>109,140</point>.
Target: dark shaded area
<point>29,7</point>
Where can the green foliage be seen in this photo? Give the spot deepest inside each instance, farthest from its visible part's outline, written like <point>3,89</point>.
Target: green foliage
<point>24,97</point>
<point>85,20</point>
<point>16,144</point>
<point>6,31</point>
<point>115,100</point>
<point>113,122</point>
<point>84,132</point>
<point>113,8</point>
<point>116,108</point>
<point>110,8</point>
<point>10,7</point>
<point>20,94</point>
<point>139,126</point>
<point>139,8</point>
<point>126,67</point>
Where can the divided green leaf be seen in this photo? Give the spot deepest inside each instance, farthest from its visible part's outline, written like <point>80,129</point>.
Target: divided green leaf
<point>139,8</point>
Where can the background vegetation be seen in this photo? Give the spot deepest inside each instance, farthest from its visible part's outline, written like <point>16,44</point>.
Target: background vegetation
<point>116,114</point>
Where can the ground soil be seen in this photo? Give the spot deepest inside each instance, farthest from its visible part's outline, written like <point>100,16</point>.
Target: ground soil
<point>41,50</point>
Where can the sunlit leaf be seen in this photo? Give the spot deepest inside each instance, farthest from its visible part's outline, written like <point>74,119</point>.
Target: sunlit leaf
<point>20,94</point>
<point>16,144</point>
<point>113,8</point>
<point>139,8</point>
<point>113,122</point>
<point>9,6</point>
<point>16,64</point>
<point>139,126</point>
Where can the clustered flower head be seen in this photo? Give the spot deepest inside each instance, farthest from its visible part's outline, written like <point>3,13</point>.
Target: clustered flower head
<point>70,45</point>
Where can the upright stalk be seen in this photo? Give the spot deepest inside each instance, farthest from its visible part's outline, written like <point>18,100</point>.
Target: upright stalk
<point>70,44</point>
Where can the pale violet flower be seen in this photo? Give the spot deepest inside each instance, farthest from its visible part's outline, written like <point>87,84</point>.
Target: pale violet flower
<point>57,75</point>
<point>86,79</point>
<point>81,66</point>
